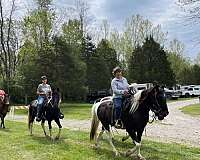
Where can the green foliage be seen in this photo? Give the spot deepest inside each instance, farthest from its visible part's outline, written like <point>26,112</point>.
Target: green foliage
<point>181,67</point>
<point>69,71</point>
<point>149,63</point>
<point>109,55</point>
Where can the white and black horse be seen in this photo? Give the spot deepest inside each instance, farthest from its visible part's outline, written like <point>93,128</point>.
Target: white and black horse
<point>51,112</point>
<point>135,116</point>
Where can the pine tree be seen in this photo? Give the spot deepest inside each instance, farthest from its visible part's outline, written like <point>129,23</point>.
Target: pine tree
<point>149,63</point>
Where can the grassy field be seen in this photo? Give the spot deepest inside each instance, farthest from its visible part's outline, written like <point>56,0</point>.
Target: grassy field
<point>193,110</point>
<point>17,144</point>
<point>78,111</point>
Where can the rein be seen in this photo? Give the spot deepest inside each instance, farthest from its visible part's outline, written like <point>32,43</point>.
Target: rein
<point>153,118</point>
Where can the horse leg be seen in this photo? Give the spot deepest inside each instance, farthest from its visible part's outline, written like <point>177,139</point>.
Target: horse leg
<point>137,141</point>
<point>99,137</point>
<point>2,121</point>
<point>138,144</point>
<point>31,117</point>
<point>60,127</point>
<point>30,124</point>
<point>50,129</point>
<point>134,137</point>
<point>125,137</point>
<point>109,137</point>
<point>43,127</point>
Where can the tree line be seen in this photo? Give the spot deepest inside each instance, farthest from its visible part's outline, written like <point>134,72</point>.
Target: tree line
<point>79,61</point>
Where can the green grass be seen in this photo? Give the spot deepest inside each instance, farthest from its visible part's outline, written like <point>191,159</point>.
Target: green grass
<point>16,143</point>
<point>180,99</point>
<point>78,111</point>
<point>193,110</point>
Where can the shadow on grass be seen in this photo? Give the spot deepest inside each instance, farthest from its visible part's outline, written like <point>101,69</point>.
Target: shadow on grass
<point>5,130</point>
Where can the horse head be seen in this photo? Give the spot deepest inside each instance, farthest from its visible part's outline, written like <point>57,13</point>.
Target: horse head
<point>158,102</point>
<point>5,100</point>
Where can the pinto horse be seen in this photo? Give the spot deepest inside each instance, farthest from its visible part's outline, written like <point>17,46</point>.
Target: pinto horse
<point>4,108</point>
<point>50,111</point>
<point>135,116</point>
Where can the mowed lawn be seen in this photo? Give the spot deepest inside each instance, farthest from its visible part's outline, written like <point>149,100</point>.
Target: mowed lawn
<point>193,110</point>
<point>17,144</point>
<point>78,111</point>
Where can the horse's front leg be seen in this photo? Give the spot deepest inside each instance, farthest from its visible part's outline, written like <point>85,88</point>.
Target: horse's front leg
<point>50,129</point>
<point>137,141</point>
<point>43,127</point>
<point>60,128</point>
<point>2,122</point>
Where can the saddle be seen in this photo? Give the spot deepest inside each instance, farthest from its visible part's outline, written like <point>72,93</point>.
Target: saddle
<point>108,101</point>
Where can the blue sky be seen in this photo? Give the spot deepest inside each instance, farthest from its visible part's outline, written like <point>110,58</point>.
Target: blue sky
<point>164,12</point>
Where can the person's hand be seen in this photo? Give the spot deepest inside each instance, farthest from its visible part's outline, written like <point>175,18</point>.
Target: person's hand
<point>126,93</point>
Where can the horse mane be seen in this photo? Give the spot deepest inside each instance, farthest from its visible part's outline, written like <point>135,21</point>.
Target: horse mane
<point>137,99</point>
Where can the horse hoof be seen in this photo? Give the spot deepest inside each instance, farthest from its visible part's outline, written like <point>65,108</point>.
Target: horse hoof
<point>96,146</point>
<point>116,154</point>
<point>141,157</point>
<point>57,138</point>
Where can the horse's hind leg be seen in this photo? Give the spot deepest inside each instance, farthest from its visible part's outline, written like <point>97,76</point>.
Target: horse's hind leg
<point>99,137</point>
<point>125,137</point>
<point>43,127</point>
<point>60,127</point>
<point>109,137</point>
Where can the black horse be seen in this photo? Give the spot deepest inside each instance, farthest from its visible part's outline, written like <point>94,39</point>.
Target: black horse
<point>135,116</point>
<point>50,111</point>
<point>4,108</point>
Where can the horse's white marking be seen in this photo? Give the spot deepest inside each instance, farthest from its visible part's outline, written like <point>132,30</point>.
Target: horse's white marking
<point>135,104</point>
<point>99,138</point>
<point>96,105</point>
<point>109,136</point>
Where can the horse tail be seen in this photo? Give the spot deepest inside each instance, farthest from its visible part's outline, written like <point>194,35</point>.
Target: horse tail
<point>30,109</point>
<point>95,122</point>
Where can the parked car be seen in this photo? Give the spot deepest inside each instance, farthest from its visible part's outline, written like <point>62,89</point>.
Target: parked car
<point>172,94</point>
<point>191,91</point>
<point>94,95</point>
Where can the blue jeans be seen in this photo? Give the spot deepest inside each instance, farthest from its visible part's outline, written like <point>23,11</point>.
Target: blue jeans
<point>118,107</point>
<point>39,105</point>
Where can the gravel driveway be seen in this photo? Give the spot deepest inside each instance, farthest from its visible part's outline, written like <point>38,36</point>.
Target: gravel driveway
<point>177,127</point>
